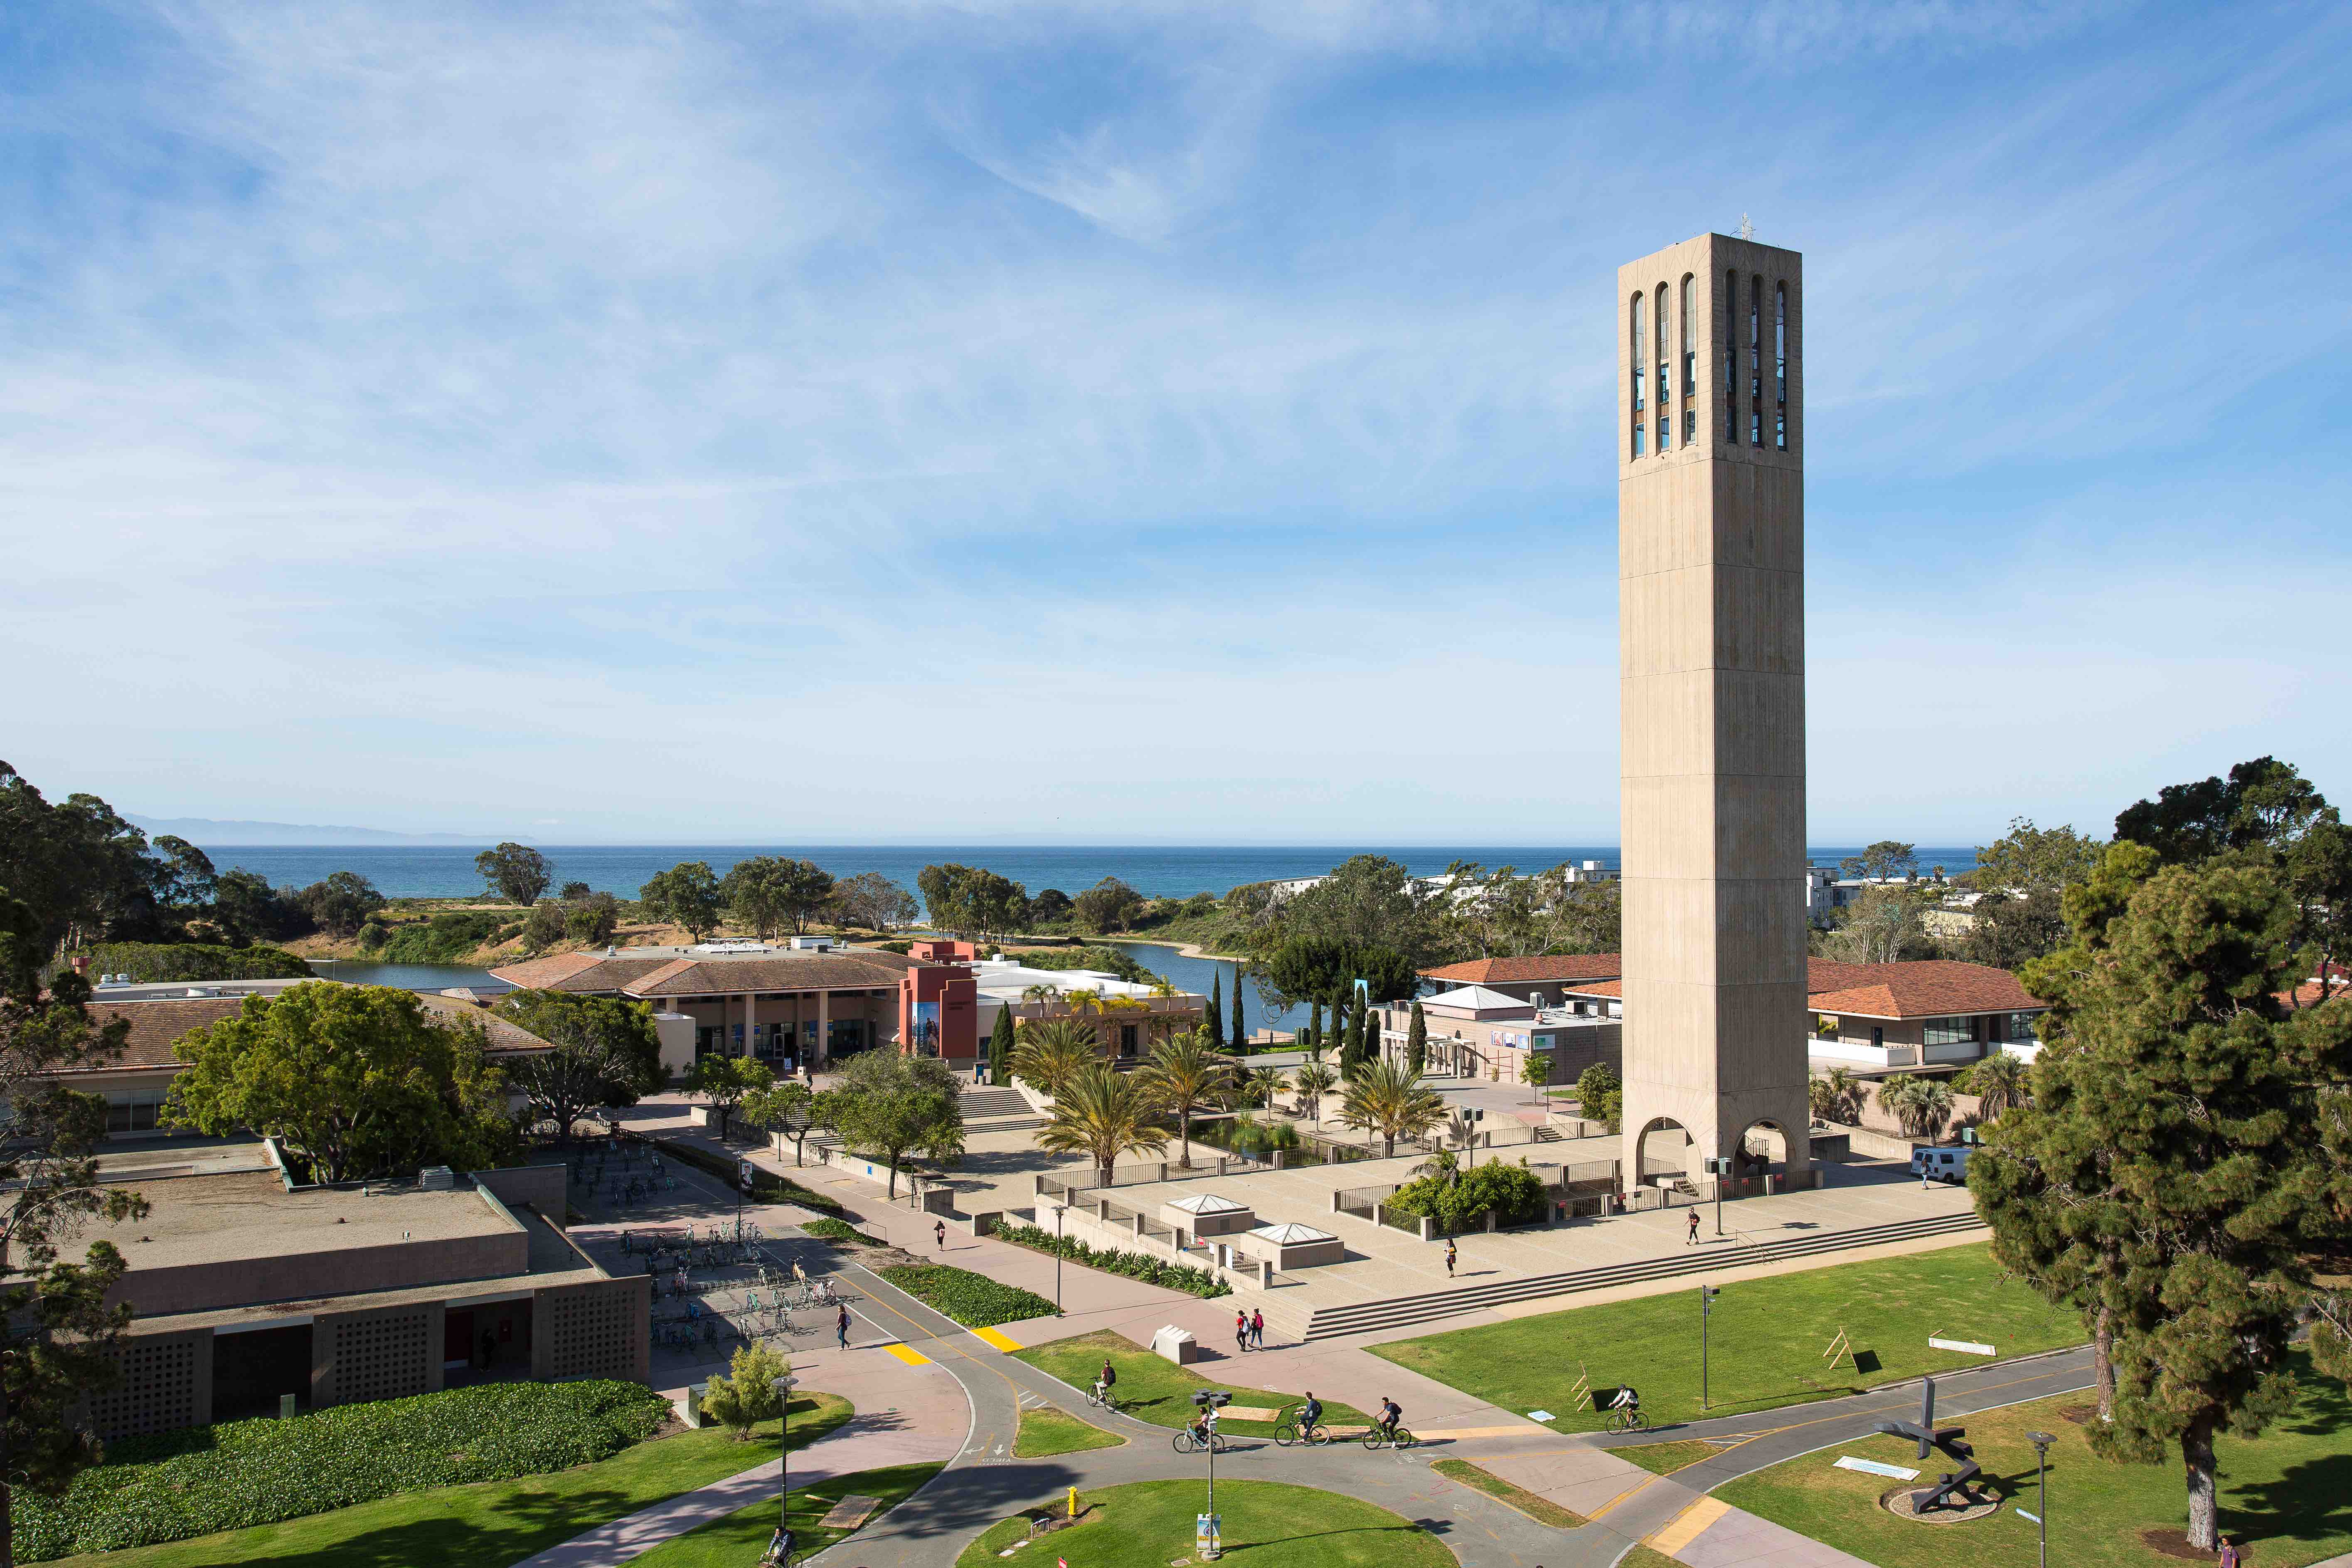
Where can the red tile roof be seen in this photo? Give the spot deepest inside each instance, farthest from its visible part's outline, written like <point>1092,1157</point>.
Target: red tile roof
<point>1926,988</point>
<point>1527,970</point>
<point>1912,989</point>
<point>799,972</point>
<point>156,1026</point>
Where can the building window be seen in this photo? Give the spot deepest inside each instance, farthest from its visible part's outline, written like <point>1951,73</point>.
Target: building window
<point>1690,360</point>
<point>1665,434</point>
<point>1878,1035</point>
<point>1780,365</point>
<point>1958,1031</point>
<point>1659,340</point>
<point>1756,360</point>
<point>2018,1026</point>
<point>1731,359</point>
<point>1640,351</point>
<point>1638,434</point>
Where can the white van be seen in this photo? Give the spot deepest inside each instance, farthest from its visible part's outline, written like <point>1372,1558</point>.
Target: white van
<point>1941,1164</point>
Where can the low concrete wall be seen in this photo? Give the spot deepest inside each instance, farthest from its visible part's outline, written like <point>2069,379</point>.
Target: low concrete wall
<point>543,1187</point>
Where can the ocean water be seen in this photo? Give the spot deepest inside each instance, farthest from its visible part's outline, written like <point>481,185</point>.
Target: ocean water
<point>438,871</point>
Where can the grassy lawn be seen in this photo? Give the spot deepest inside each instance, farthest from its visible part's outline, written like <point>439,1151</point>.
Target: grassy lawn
<point>1161,1392</point>
<point>492,1524</point>
<point>1665,1459</point>
<point>1543,1511</point>
<point>740,1537</point>
<point>1047,1432</point>
<point>2287,1494</point>
<point>1765,1339</point>
<point>1150,1523</point>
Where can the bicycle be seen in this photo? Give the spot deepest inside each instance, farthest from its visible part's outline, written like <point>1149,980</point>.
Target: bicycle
<point>1397,1438</point>
<point>1627,1420</point>
<point>1287,1431</point>
<point>1103,1398</point>
<point>1188,1440</point>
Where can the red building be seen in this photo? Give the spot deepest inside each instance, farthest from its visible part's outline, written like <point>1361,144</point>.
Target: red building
<point>939,1009</point>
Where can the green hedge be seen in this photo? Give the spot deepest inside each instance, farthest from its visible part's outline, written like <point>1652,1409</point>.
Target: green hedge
<point>154,961</point>
<point>833,1229</point>
<point>1193,1281</point>
<point>175,1485</point>
<point>443,939</point>
<point>973,1299</point>
<point>767,1187</point>
<point>1513,1193</point>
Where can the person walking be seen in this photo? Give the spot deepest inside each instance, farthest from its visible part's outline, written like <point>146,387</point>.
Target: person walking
<point>1690,1238</point>
<point>1257,1329</point>
<point>1449,1258</point>
<point>940,1234</point>
<point>1240,1331</point>
<point>841,1325</point>
<point>2229,1553</point>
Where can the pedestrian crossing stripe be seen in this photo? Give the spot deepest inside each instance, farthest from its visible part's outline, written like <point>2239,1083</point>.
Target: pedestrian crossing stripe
<point>991,1338</point>
<point>911,1357</point>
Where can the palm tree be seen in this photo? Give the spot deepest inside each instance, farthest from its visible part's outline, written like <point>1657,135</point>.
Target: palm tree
<point>1261,1086</point>
<point>1188,1073</point>
<point>1051,1052</point>
<point>1921,1104</point>
<point>1084,999</point>
<point>1311,1081</point>
<point>1999,1083</point>
<point>1163,987</point>
<point>1043,991</point>
<point>1831,1098</point>
<point>1103,1113</point>
<point>1385,1098</point>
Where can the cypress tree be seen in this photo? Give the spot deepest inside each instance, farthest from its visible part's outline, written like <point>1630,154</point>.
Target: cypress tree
<point>1314,1041</point>
<point>1241,1037</point>
<point>1416,1042</point>
<point>1000,1047</point>
<point>2160,1177</point>
<point>1213,1022</point>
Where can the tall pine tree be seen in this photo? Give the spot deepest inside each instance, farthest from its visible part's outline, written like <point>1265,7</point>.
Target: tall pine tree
<point>2164,1175</point>
<point>1240,1024</point>
<point>1212,1021</point>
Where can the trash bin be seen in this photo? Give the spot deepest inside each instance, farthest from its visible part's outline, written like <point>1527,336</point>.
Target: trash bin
<point>1176,1344</point>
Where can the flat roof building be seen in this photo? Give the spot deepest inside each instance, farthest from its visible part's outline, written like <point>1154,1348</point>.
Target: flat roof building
<point>248,1288</point>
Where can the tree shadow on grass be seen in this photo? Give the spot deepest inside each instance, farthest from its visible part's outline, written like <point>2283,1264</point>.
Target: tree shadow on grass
<point>2311,1501</point>
<point>1375,1535</point>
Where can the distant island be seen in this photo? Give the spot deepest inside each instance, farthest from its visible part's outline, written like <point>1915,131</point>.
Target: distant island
<point>204,830</point>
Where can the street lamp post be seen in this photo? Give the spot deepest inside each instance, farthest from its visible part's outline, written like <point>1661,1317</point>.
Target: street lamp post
<point>1059,1209</point>
<point>2042,1441</point>
<point>1212,1546</point>
<point>784,1387</point>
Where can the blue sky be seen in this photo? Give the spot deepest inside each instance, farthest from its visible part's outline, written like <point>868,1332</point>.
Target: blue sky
<point>1154,422</point>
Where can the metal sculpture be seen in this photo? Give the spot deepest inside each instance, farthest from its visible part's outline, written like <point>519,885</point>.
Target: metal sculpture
<point>1952,1485</point>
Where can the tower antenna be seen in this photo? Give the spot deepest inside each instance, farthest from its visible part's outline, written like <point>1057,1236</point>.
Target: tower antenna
<point>1746,229</point>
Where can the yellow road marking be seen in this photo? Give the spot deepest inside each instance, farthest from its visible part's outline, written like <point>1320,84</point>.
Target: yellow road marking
<point>1688,1525</point>
<point>1620,1497</point>
<point>909,1354</point>
<point>990,1337</point>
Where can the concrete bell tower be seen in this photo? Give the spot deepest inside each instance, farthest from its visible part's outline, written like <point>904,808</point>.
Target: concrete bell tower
<point>1711,598</point>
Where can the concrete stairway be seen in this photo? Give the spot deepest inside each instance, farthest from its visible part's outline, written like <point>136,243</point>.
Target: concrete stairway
<point>1357,1317</point>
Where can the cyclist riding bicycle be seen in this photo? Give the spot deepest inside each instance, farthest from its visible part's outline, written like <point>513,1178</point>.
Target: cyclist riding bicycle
<point>1204,1430</point>
<point>779,1547</point>
<point>1310,1412</point>
<point>1628,1402</point>
<point>1390,1415</point>
<point>1106,1380</point>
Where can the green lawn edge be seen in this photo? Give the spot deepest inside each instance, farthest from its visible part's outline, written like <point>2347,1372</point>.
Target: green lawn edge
<point>1542,1509</point>
<point>2282,1494</point>
<point>488,1524</point>
<point>736,1540</point>
<point>1145,1524</point>
<point>1665,1459</point>
<point>1047,1432</point>
<point>1158,1391</point>
<point>1765,1339</point>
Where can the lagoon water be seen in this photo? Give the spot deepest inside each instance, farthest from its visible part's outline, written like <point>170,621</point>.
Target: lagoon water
<point>440,872</point>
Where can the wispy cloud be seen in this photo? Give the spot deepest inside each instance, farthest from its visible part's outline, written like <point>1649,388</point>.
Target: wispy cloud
<point>836,418</point>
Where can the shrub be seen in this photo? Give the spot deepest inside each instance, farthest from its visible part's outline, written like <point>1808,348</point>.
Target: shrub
<point>373,935</point>
<point>175,1485</point>
<point>445,939</point>
<point>160,960</point>
<point>1204,1283</point>
<point>832,1230</point>
<point>747,1395</point>
<point>973,1299</point>
<point>1513,1192</point>
<point>1248,1135</point>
